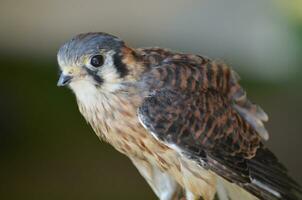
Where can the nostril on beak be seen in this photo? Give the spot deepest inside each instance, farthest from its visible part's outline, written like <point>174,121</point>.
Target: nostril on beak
<point>64,80</point>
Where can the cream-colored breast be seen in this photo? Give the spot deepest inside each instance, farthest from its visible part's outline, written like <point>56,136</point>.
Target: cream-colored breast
<point>113,116</point>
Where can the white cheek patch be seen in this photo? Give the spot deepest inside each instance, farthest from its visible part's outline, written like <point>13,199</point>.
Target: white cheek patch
<point>85,86</point>
<point>109,73</point>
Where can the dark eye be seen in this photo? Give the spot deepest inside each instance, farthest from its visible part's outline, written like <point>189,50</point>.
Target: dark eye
<point>97,60</point>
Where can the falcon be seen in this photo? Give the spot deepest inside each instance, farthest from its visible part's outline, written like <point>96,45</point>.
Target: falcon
<point>182,119</point>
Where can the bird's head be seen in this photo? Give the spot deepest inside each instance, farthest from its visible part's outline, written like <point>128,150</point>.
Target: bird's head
<point>95,60</point>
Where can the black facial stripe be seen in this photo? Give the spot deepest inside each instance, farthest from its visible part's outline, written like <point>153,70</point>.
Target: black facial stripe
<point>94,75</point>
<point>119,65</point>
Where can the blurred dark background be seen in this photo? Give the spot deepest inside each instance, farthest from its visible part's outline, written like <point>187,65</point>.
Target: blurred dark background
<point>47,150</point>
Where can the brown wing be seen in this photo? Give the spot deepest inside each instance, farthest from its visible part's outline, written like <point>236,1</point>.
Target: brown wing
<point>203,111</point>
<point>195,73</point>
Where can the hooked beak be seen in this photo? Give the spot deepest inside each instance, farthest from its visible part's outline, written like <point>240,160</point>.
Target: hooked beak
<point>64,80</point>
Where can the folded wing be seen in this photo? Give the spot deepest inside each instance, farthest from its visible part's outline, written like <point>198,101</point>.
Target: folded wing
<point>202,110</point>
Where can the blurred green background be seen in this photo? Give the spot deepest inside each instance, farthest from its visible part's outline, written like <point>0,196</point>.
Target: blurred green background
<point>47,150</point>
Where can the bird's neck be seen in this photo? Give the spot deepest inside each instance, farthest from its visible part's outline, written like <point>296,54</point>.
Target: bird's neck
<point>85,92</point>
<point>106,110</point>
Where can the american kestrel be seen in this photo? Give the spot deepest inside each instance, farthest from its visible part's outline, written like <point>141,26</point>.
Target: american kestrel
<point>182,119</point>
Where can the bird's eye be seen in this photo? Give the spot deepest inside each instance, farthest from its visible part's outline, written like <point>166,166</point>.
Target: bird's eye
<point>97,60</point>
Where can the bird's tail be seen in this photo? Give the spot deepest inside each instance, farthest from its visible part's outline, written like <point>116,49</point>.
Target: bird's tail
<point>269,181</point>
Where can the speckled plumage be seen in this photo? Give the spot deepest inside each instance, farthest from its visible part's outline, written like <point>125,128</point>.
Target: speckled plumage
<point>183,120</point>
